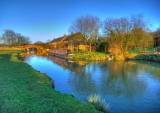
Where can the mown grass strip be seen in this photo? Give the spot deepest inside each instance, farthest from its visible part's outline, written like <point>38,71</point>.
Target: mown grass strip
<point>93,56</point>
<point>24,89</point>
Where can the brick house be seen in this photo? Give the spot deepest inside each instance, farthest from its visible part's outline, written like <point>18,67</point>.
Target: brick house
<point>58,43</point>
<point>73,42</point>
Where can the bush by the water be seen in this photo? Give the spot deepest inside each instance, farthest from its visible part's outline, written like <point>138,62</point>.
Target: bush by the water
<point>148,57</point>
<point>99,103</point>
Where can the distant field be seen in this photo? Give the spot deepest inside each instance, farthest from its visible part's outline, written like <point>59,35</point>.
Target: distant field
<point>11,48</point>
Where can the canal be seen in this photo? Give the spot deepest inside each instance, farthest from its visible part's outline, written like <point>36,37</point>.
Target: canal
<point>128,86</point>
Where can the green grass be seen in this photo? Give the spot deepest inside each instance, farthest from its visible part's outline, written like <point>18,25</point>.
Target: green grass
<point>23,89</point>
<point>147,49</point>
<point>90,55</point>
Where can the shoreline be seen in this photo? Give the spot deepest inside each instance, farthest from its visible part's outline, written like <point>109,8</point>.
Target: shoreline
<point>147,57</point>
<point>26,90</point>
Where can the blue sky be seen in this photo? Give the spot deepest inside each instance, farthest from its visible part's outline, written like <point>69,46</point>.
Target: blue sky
<point>45,19</point>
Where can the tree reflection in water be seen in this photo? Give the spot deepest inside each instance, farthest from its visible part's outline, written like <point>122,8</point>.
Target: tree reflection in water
<point>80,77</point>
<point>121,79</point>
<point>116,78</point>
<point>123,84</point>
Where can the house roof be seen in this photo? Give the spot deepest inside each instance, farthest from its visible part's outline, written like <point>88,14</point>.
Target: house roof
<point>58,39</point>
<point>77,36</point>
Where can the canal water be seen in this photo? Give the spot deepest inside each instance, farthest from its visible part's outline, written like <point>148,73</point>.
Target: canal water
<point>128,86</point>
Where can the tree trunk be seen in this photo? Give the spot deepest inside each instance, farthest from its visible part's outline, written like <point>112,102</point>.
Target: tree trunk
<point>90,49</point>
<point>71,46</point>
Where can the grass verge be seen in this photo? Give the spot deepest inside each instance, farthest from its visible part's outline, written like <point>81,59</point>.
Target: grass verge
<point>95,56</point>
<point>24,89</point>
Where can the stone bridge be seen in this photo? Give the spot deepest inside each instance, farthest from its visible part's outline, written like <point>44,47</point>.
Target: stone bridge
<point>28,47</point>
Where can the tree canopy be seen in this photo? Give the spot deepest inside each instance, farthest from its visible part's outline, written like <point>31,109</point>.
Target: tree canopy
<point>127,33</point>
<point>88,25</point>
<point>14,39</point>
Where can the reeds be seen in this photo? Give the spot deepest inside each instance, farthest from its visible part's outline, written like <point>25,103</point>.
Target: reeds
<point>100,104</point>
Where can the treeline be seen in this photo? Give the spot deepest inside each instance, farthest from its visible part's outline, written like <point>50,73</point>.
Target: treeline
<point>45,45</point>
<point>115,35</point>
<point>157,38</point>
<point>10,38</point>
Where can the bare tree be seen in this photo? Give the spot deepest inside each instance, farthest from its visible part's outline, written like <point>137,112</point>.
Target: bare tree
<point>38,43</point>
<point>14,39</point>
<point>118,31</point>
<point>127,33</point>
<point>141,39</point>
<point>8,37</point>
<point>22,40</point>
<point>88,25</point>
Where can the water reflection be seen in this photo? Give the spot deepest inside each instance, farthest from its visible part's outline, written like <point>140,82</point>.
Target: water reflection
<point>122,78</point>
<point>35,52</point>
<point>83,83</point>
<point>112,78</point>
<point>69,64</point>
<point>127,86</point>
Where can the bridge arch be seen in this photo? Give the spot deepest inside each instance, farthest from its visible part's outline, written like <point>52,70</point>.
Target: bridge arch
<point>28,47</point>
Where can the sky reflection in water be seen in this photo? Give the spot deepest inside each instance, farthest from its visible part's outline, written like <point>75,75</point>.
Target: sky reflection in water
<point>129,87</point>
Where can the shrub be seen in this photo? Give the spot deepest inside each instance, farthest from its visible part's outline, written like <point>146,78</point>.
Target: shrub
<point>100,104</point>
<point>119,57</point>
<point>147,57</point>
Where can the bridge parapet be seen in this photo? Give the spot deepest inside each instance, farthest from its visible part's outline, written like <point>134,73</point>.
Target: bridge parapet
<point>38,47</point>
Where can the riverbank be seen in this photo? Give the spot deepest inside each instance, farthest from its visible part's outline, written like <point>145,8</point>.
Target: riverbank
<point>93,56</point>
<point>11,48</point>
<point>148,57</point>
<point>149,54</point>
<point>24,89</point>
